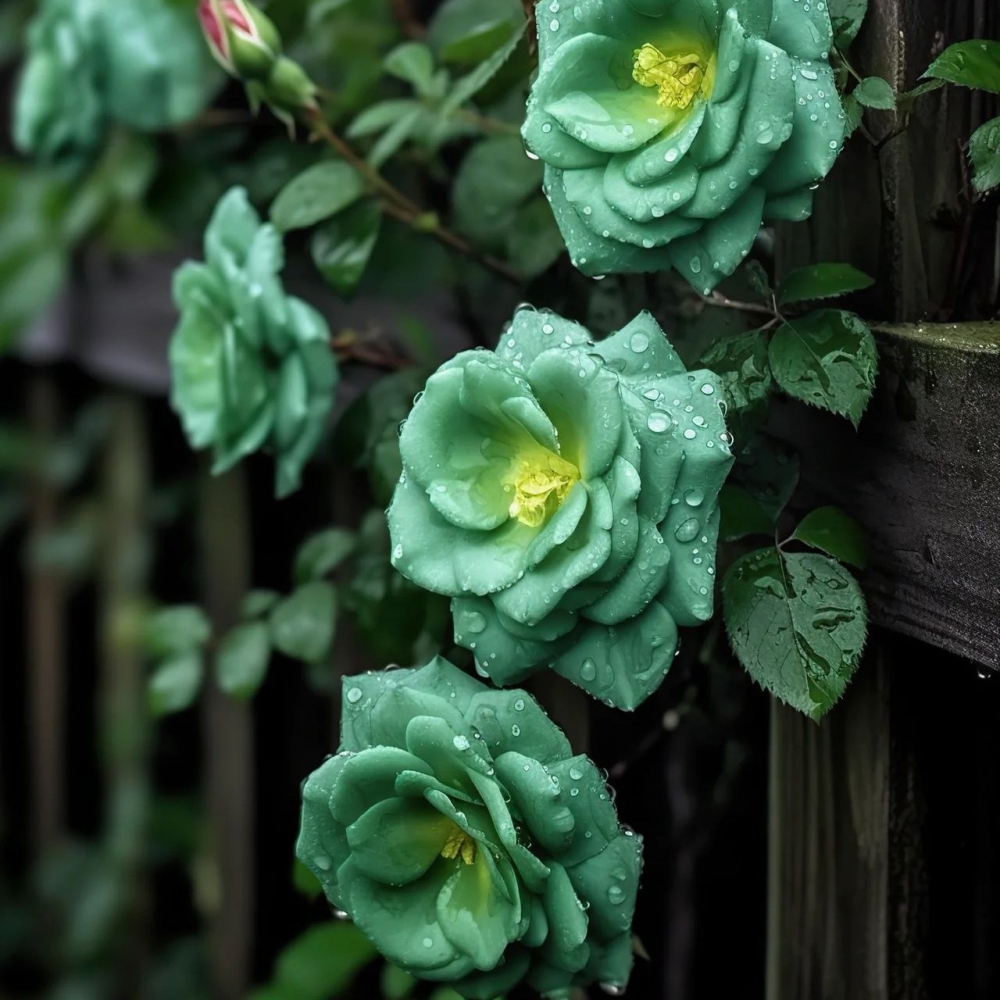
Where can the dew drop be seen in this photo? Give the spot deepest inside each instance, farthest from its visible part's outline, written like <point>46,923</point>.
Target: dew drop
<point>688,531</point>
<point>694,497</point>
<point>354,695</point>
<point>639,342</point>
<point>658,422</point>
<point>519,705</point>
<point>589,670</point>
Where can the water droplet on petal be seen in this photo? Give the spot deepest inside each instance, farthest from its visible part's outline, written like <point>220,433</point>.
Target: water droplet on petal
<point>354,695</point>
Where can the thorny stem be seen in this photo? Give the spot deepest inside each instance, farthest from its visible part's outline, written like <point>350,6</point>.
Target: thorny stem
<point>398,205</point>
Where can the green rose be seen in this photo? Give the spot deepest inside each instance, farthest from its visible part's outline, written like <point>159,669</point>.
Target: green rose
<point>564,493</point>
<point>252,366</point>
<point>458,831</point>
<point>92,63</point>
<point>671,128</point>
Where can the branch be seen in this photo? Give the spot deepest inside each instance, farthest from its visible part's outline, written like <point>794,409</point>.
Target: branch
<point>398,205</point>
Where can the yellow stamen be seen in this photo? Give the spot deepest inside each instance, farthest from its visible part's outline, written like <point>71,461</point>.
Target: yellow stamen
<point>540,485</point>
<point>678,78</point>
<point>459,844</point>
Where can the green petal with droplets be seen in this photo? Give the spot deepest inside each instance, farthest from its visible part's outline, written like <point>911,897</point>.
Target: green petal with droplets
<point>624,664</point>
<point>609,881</point>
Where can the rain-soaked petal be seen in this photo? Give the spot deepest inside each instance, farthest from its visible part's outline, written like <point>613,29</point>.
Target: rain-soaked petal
<point>661,123</point>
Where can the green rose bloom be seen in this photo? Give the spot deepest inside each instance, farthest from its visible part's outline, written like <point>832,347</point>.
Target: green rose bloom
<point>90,64</point>
<point>564,493</point>
<point>252,366</point>
<point>670,129</point>
<point>458,831</point>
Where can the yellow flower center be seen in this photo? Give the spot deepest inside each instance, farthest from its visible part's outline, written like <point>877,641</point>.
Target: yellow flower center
<point>540,485</point>
<point>459,844</point>
<point>678,78</point>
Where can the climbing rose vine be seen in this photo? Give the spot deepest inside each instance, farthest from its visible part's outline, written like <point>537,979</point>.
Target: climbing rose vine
<point>670,129</point>
<point>251,365</point>
<point>457,829</point>
<point>92,64</point>
<point>564,493</point>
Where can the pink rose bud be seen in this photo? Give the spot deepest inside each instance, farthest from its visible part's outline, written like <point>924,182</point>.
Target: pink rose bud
<point>242,39</point>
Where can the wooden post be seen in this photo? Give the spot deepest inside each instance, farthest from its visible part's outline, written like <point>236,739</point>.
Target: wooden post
<point>849,880</point>
<point>229,740</point>
<point>124,718</point>
<point>46,633</point>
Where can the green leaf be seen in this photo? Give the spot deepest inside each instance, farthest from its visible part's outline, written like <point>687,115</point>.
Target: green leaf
<point>853,112</point>
<point>827,359</point>
<point>821,281</point>
<point>984,152</point>
<point>244,655</point>
<point>742,514</point>
<point>468,86</point>
<point>181,629</point>
<point>758,280</point>
<point>323,553</point>
<point>342,246</point>
<point>259,602</point>
<point>381,116</point>
<point>304,881</point>
<point>769,471</point>
<point>175,683</point>
<point>494,180</point>
<point>533,242</point>
<point>302,625</point>
<point>320,964</point>
<point>847,17</point>
<point>412,62</point>
<point>742,364</point>
<point>797,624</point>
<point>316,194</point>
<point>397,983</point>
<point>468,31</point>
<point>874,92</point>
<point>975,63</point>
<point>837,534</point>
<point>393,138</point>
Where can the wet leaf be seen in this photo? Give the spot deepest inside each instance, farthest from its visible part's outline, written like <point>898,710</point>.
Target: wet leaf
<point>175,683</point>
<point>847,17</point>
<point>797,624</point>
<point>876,93</point>
<point>743,366</point>
<point>837,534</point>
<point>821,281</point>
<point>243,659</point>
<point>302,625</point>
<point>742,514</point>
<point>984,152</point>
<point>316,194</point>
<point>975,63</point>
<point>769,471</point>
<point>827,359</point>
<point>342,246</point>
<point>322,554</point>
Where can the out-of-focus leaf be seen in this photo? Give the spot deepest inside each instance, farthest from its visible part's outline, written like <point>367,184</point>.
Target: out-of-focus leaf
<point>175,683</point>
<point>183,628</point>
<point>243,658</point>
<point>303,625</point>
<point>323,553</point>
<point>316,194</point>
<point>343,245</point>
<point>468,31</point>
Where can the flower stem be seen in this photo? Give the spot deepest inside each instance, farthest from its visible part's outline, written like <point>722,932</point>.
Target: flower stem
<point>398,205</point>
